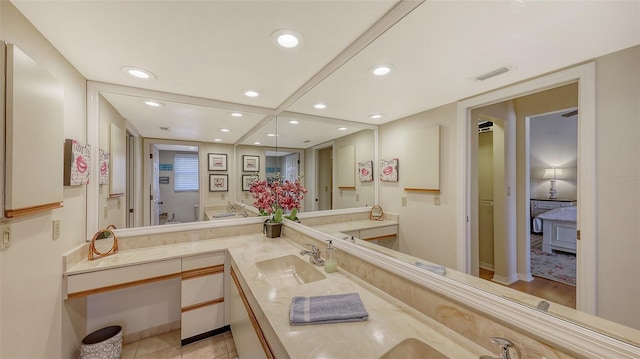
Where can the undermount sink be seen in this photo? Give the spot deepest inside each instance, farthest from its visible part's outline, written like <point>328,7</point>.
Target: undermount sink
<point>413,348</point>
<point>288,271</point>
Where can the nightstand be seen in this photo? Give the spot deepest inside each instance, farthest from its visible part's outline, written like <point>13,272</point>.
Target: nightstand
<point>539,206</point>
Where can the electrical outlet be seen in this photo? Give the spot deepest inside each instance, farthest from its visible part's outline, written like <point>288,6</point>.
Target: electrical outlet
<point>404,201</point>
<point>5,236</point>
<point>55,224</point>
<point>436,200</point>
<point>105,213</point>
<point>357,197</point>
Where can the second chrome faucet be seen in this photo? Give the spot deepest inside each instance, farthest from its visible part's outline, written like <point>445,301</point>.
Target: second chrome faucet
<point>314,255</point>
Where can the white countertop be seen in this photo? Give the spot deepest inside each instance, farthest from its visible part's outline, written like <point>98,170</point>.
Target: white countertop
<point>390,321</point>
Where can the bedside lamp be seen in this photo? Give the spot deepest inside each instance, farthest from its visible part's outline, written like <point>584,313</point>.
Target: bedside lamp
<point>552,174</point>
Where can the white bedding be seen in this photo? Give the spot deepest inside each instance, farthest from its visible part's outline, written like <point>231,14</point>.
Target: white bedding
<point>568,214</point>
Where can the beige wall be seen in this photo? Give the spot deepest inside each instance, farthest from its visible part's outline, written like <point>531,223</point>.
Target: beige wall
<point>618,179</point>
<point>364,194</point>
<point>116,208</point>
<point>426,230</point>
<point>35,322</point>
<point>429,231</point>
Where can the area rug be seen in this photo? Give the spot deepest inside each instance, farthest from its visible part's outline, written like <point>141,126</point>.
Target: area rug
<point>556,266</point>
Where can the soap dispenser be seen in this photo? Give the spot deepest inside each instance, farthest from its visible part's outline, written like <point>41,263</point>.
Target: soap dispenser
<point>330,264</point>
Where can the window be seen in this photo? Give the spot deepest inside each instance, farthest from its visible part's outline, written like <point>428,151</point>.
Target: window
<point>185,168</point>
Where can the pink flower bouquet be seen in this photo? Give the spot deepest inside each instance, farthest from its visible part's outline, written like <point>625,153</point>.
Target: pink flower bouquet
<point>273,199</point>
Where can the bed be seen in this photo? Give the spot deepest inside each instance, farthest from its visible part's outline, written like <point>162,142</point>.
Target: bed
<point>558,229</point>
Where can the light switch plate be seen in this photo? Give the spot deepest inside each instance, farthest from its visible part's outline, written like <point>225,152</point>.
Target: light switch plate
<point>404,201</point>
<point>55,229</point>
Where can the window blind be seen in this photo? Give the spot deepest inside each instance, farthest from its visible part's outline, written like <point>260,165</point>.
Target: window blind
<point>185,170</point>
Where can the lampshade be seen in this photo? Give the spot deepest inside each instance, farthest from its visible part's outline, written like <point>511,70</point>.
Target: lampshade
<point>552,173</point>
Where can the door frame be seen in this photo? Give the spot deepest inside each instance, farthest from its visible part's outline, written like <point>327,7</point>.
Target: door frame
<point>584,75</point>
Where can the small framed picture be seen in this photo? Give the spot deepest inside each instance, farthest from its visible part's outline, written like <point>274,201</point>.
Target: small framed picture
<point>247,180</point>
<point>250,163</point>
<point>217,161</point>
<point>218,183</point>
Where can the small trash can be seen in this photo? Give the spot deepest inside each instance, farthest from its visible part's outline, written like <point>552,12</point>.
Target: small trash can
<point>105,343</point>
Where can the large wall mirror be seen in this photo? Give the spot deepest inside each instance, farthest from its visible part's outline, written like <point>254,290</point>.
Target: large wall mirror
<point>159,131</point>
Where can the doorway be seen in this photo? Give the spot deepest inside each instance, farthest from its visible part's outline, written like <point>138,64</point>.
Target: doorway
<point>324,178</point>
<point>468,252</point>
<point>550,146</point>
<point>172,182</point>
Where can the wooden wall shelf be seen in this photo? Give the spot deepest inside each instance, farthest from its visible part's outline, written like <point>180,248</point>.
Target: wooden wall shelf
<point>425,190</point>
<point>19,212</point>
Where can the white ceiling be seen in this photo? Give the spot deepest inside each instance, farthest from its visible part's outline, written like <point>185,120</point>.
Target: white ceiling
<point>215,49</point>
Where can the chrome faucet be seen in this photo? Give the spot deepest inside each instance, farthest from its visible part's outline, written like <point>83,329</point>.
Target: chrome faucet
<point>505,349</point>
<point>314,255</point>
<point>231,208</point>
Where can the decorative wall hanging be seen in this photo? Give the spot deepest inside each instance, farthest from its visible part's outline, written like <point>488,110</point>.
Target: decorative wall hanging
<point>389,170</point>
<point>217,161</point>
<point>218,183</point>
<point>247,180</point>
<point>250,163</point>
<point>104,166</point>
<point>77,162</point>
<point>365,171</point>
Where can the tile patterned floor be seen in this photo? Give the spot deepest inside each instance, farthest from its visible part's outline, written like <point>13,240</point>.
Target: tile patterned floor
<point>167,346</point>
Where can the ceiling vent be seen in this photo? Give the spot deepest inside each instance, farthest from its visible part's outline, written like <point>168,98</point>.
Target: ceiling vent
<point>494,73</point>
<point>485,126</point>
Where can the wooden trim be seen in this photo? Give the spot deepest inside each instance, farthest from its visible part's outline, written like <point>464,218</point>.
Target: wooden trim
<point>116,195</point>
<point>122,285</point>
<point>389,236</point>
<point>346,188</point>
<point>425,190</point>
<point>252,317</point>
<point>202,305</point>
<point>201,272</point>
<point>12,213</point>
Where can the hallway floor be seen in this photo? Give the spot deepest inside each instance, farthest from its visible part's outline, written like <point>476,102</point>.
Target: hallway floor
<point>167,346</point>
<point>552,291</point>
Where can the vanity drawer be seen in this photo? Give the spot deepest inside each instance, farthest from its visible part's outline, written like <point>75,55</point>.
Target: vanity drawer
<point>202,289</point>
<point>111,279</point>
<point>202,320</point>
<point>373,233</point>
<point>202,261</point>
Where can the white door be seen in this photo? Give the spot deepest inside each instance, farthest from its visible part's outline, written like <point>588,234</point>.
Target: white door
<point>324,192</point>
<point>155,186</point>
<point>291,166</point>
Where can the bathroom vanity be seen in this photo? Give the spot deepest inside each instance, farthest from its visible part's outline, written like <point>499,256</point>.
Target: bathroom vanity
<point>231,275</point>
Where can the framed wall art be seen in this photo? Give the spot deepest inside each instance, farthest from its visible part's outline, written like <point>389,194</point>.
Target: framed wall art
<point>365,171</point>
<point>250,163</point>
<point>217,161</point>
<point>389,170</point>
<point>247,180</point>
<point>218,183</point>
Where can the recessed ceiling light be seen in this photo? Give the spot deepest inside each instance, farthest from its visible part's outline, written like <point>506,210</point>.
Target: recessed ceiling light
<point>152,103</point>
<point>236,114</point>
<point>256,143</point>
<point>217,140</point>
<point>320,106</point>
<point>224,130</point>
<point>375,116</point>
<point>271,135</point>
<point>342,128</point>
<point>138,72</point>
<point>294,122</point>
<point>288,39</point>
<point>251,93</point>
<point>381,70</point>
